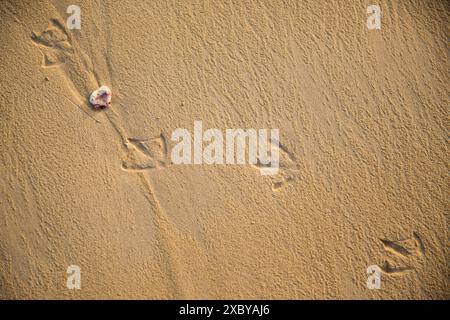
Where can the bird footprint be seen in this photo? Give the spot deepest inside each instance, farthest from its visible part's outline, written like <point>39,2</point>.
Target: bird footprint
<point>56,43</point>
<point>144,154</point>
<point>288,171</point>
<point>401,255</point>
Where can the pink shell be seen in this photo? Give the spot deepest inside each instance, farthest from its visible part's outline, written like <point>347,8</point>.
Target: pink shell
<point>100,98</point>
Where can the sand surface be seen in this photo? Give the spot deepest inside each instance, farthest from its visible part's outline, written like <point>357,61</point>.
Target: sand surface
<point>363,119</point>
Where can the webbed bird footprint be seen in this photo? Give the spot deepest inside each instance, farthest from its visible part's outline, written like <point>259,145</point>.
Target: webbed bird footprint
<point>401,255</point>
<point>144,154</point>
<point>55,42</point>
<point>288,167</point>
<point>60,50</point>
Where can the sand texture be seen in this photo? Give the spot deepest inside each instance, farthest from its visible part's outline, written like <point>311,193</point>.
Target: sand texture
<point>363,179</point>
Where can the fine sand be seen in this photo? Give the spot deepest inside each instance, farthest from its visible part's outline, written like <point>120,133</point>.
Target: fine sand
<point>363,119</point>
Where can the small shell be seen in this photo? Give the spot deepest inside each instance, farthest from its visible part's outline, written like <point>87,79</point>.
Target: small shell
<point>100,98</point>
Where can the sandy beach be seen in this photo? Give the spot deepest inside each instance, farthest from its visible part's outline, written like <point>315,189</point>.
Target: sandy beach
<point>362,179</point>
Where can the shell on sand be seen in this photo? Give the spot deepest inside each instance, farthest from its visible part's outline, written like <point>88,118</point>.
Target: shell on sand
<point>100,98</point>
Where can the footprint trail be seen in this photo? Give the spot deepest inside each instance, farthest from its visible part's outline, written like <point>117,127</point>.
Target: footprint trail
<point>61,51</point>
